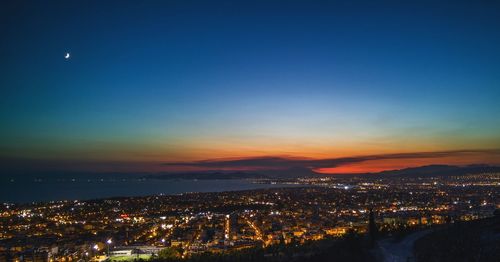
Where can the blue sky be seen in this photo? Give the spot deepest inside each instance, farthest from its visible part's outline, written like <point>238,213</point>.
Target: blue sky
<point>179,80</point>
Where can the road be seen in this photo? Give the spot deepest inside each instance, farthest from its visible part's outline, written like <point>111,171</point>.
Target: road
<point>258,233</point>
<point>401,251</point>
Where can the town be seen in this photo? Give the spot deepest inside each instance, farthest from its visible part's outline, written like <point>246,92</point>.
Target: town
<point>194,223</point>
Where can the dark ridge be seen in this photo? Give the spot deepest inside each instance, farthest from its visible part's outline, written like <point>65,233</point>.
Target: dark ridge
<point>440,170</point>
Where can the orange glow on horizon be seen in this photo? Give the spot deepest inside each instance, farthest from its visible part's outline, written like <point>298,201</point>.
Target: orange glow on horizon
<point>373,166</point>
<point>353,163</point>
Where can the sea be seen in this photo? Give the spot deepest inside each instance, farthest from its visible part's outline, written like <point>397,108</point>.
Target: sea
<point>43,190</point>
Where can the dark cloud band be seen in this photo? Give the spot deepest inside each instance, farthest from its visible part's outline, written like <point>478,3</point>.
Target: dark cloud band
<point>272,162</point>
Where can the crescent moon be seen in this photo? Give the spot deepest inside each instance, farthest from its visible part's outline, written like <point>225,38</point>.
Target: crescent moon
<point>66,56</point>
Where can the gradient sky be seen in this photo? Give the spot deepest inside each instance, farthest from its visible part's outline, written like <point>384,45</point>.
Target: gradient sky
<point>160,81</point>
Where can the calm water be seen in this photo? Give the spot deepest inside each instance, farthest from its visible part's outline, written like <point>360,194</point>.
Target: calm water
<point>35,191</point>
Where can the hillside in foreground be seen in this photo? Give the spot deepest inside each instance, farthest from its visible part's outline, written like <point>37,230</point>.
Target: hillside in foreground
<point>477,240</point>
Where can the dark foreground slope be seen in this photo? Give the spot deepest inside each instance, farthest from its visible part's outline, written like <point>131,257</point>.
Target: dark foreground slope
<point>466,241</point>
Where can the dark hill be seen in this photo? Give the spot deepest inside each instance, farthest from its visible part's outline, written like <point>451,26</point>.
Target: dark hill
<point>440,170</point>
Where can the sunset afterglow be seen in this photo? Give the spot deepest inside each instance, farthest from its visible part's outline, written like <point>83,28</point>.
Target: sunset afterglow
<point>325,86</point>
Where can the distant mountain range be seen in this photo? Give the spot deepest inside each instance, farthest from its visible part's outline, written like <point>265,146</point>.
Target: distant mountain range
<point>290,173</point>
<point>423,171</point>
<point>440,170</point>
<point>260,174</point>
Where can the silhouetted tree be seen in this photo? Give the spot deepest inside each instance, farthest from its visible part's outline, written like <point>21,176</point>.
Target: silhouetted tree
<point>372,228</point>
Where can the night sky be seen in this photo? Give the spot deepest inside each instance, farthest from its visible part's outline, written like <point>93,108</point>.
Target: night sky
<point>149,82</point>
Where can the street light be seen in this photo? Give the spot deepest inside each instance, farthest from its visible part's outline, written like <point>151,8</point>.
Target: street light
<point>109,243</point>
<point>96,248</point>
